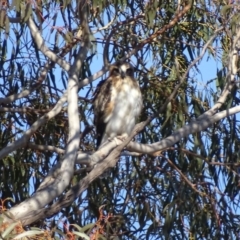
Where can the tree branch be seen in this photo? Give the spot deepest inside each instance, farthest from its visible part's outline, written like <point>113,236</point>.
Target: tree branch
<point>54,185</point>
<point>43,48</point>
<point>197,125</point>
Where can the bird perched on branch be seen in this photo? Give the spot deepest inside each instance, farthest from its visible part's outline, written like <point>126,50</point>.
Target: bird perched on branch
<point>117,103</point>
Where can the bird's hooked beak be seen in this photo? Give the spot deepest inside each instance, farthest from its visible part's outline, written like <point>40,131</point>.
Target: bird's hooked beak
<point>122,73</point>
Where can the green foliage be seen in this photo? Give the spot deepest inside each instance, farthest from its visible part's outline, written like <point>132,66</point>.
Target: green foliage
<point>189,191</point>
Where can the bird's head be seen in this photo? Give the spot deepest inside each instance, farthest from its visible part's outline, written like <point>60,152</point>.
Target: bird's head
<point>122,70</point>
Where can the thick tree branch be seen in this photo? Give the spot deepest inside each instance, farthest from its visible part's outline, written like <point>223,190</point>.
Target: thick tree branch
<point>197,125</point>
<point>67,166</point>
<point>53,186</point>
<point>43,48</point>
<point>46,148</point>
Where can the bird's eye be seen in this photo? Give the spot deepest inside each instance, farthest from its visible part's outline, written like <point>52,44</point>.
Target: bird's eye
<point>115,71</point>
<point>130,72</point>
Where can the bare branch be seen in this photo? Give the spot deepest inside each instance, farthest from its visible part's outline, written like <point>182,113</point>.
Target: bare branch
<point>43,48</point>
<point>67,166</point>
<point>197,125</point>
<point>46,148</point>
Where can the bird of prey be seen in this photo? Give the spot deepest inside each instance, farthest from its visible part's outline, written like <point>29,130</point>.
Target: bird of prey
<point>117,103</point>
